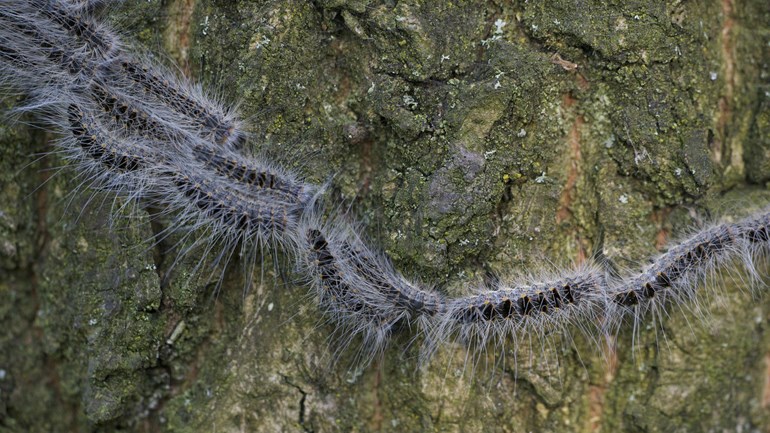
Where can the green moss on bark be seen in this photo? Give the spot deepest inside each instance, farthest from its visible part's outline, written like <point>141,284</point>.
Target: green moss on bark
<point>472,139</point>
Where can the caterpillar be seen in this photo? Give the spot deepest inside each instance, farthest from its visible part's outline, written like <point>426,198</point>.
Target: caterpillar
<point>160,140</point>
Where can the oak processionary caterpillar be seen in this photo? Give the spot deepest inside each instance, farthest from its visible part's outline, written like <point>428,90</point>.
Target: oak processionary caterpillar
<point>136,129</point>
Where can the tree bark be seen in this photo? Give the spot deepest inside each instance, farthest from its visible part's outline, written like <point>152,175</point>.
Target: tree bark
<point>472,139</point>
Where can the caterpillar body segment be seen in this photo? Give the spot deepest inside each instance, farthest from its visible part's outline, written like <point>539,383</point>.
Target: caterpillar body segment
<point>233,211</point>
<point>357,289</point>
<point>255,174</point>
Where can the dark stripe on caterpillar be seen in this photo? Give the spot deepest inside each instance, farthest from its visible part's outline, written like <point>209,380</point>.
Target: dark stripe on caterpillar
<point>134,119</point>
<point>336,295</point>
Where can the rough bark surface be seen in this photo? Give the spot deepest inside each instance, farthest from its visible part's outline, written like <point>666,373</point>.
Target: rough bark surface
<point>472,138</point>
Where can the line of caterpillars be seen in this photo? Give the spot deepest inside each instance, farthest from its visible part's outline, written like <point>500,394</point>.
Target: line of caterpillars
<point>192,156</point>
<point>498,305</point>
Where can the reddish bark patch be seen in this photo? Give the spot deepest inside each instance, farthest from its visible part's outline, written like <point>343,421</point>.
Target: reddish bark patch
<point>573,141</point>
<point>725,105</point>
<point>178,33</point>
<point>660,216</point>
<point>766,388</point>
<point>568,194</point>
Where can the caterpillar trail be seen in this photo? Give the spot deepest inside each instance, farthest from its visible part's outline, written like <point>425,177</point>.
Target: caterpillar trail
<point>135,128</point>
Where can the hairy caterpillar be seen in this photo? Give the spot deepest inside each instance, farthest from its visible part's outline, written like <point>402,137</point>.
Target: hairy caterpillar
<point>360,288</point>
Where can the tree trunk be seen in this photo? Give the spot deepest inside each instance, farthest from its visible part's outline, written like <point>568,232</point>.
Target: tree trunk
<point>472,139</point>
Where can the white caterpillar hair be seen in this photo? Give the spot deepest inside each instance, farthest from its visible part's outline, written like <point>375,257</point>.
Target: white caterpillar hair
<point>134,128</point>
